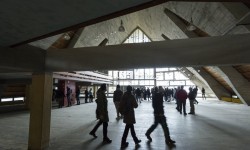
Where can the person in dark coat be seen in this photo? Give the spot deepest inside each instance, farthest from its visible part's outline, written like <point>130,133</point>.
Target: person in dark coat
<point>127,105</point>
<point>158,107</point>
<point>78,95</point>
<point>102,114</point>
<point>182,96</point>
<point>116,99</point>
<point>191,97</point>
<point>86,95</point>
<point>68,96</point>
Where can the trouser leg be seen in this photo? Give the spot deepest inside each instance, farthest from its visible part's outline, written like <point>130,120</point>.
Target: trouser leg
<point>125,133</point>
<point>191,106</point>
<point>96,126</point>
<point>184,106</point>
<point>164,125</point>
<point>132,130</point>
<point>153,126</point>
<point>105,130</point>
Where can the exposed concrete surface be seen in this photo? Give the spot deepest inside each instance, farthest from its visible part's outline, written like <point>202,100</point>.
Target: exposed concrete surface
<point>217,125</point>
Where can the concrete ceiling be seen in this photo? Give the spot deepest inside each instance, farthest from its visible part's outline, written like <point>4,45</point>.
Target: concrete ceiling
<point>27,21</point>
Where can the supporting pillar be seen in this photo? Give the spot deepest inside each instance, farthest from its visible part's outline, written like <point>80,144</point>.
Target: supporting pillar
<point>237,82</point>
<point>40,111</point>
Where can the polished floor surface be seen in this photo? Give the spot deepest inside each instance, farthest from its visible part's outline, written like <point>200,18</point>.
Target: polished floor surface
<point>217,125</point>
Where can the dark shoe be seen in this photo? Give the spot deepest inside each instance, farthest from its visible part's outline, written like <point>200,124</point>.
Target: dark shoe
<point>170,142</point>
<point>185,114</point>
<point>180,112</point>
<point>93,134</point>
<point>191,113</point>
<point>106,140</point>
<point>148,137</point>
<point>137,142</point>
<point>124,145</point>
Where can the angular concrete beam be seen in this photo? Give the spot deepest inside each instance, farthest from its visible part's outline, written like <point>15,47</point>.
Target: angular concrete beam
<point>191,52</point>
<point>26,58</point>
<point>215,86</point>
<point>193,77</point>
<point>237,82</point>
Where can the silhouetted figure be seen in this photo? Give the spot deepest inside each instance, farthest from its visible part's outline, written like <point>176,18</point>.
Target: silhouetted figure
<point>78,95</point>
<point>127,105</point>
<point>158,107</point>
<point>68,94</point>
<point>102,114</point>
<point>86,95</point>
<point>116,99</point>
<point>60,96</point>
<point>196,92</point>
<point>90,95</point>
<point>182,96</point>
<point>191,97</point>
<point>203,93</point>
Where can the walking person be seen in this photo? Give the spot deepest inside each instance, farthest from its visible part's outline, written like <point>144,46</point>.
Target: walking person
<point>116,99</point>
<point>159,116</point>
<point>195,92</point>
<point>203,93</point>
<point>127,105</point>
<point>102,114</point>
<point>182,96</point>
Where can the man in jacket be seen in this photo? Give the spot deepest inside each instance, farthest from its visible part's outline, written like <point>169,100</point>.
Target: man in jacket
<point>102,114</point>
<point>117,98</point>
<point>182,96</point>
<point>158,107</point>
<point>127,105</point>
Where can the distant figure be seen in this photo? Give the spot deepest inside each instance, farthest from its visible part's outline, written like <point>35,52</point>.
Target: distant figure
<point>102,114</point>
<point>60,97</point>
<point>182,96</point>
<point>203,93</point>
<point>148,93</point>
<point>91,95</point>
<point>68,94</point>
<point>78,95</point>
<point>177,100</point>
<point>86,95</point>
<point>158,107</point>
<point>127,105</point>
<point>191,97</point>
<point>195,91</point>
<point>116,99</point>
<point>138,95</point>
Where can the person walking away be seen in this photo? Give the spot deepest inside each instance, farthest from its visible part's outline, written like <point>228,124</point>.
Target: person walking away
<point>86,95</point>
<point>182,96</point>
<point>90,95</point>
<point>127,105</point>
<point>191,97</point>
<point>159,116</point>
<point>116,99</point>
<point>78,95</point>
<point>203,93</point>
<point>60,96</point>
<point>102,114</point>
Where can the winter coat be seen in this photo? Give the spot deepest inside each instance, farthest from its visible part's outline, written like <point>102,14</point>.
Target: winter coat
<point>117,95</point>
<point>157,104</point>
<point>181,95</point>
<point>102,106</point>
<point>126,108</point>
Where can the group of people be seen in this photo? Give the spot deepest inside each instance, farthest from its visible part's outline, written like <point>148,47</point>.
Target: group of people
<point>125,104</point>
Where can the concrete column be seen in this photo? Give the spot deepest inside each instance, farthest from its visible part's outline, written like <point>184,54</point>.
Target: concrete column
<point>28,95</point>
<point>237,82</point>
<point>40,111</point>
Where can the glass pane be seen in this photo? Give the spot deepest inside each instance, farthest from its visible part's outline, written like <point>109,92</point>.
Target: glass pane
<point>6,99</point>
<point>159,76</point>
<point>180,76</point>
<point>141,82</point>
<point>139,73</point>
<point>177,83</point>
<point>135,82</point>
<point>169,76</point>
<point>19,99</point>
<point>149,73</point>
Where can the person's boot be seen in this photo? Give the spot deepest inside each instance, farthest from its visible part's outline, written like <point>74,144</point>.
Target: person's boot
<point>137,142</point>
<point>93,134</point>
<point>106,140</point>
<point>170,141</point>
<point>124,144</point>
<point>148,137</point>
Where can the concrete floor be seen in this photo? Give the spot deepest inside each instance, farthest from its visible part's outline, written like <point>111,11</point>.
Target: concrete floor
<point>217,125</point>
